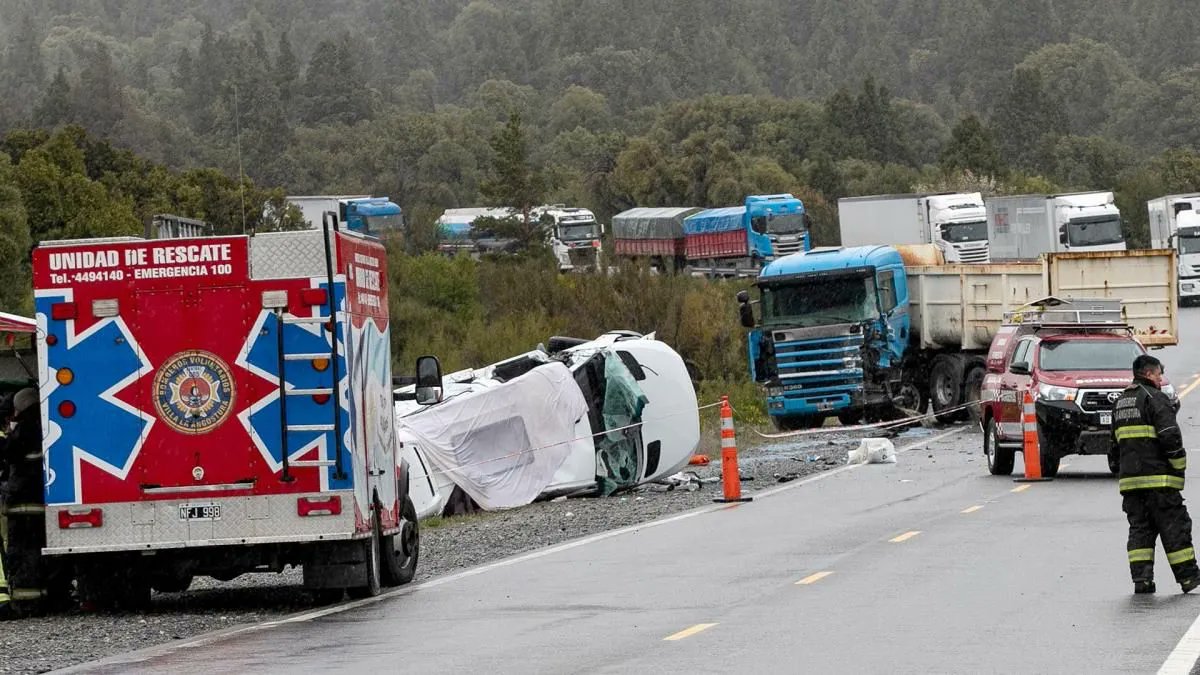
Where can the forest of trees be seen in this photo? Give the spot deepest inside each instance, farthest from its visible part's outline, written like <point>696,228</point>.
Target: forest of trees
<point>116,110</point>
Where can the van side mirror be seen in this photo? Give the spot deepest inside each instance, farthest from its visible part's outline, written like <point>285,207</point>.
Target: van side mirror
<point>1062,238</point>
<point>429,380</point>
<point>1019,368</point>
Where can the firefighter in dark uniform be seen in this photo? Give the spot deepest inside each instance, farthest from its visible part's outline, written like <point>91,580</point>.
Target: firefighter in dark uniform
<point>1152,464</point>
<point>24,506</point>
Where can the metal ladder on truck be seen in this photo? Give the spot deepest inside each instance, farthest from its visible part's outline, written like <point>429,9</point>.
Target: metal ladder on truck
<point>329,324</point>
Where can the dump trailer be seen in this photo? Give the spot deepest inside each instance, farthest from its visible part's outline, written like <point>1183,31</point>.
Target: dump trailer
<point>220,405</point>
<point>955,222</point>
<point>869,330</point>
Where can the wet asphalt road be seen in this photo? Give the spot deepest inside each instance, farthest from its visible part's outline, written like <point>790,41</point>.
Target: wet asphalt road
<point>929,565</point>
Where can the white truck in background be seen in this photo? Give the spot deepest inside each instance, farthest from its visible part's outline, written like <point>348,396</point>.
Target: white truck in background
<point>1175,224</point>
<point>360,213</point>
<point>954,222</point>
<point>1023,227</point>
<point>578,231</point>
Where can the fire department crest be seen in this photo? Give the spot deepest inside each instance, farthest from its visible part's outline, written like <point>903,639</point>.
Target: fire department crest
<point>193,392</point>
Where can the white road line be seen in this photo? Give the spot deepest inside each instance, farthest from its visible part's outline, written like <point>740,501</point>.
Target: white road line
<point>1183,658</point>
<point>209,638</point>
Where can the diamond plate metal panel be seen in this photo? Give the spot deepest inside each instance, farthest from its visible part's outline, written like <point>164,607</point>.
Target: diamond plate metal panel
<point>133,526</point>
<point>288,255</point>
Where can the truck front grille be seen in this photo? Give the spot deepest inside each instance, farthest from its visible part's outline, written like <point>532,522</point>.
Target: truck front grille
<point>783,248</point>
<point>975,255</point>
<point>820,366</point>
<point>1097,401</point>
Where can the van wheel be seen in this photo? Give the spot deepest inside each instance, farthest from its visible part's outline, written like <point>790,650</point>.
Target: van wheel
<point>999,458</point>
<point>1114,465</point>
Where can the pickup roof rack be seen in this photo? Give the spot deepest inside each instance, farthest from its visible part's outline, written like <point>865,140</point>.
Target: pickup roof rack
<point>1052,312</point>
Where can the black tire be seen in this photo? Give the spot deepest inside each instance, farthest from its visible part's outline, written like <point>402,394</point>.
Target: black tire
<point>910,398</point>
<point>973,390</point>
<point>1000,459</point>
<point>1114,465</point>
<point>946,387</point>
<point>1050,454</point>
<point>401,551</point>
<point>125,588</point>
<point>171,583</point>
<point>372,580</point>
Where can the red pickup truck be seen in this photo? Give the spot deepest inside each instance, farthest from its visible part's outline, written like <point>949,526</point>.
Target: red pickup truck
<point>1075,370</point>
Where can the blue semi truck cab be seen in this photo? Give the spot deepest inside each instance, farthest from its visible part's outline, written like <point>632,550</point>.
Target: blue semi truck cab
<point>739,240</point>
<point>832,335</point>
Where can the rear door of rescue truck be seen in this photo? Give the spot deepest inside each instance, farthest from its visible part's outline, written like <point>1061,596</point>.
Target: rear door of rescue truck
<point>169,430</point>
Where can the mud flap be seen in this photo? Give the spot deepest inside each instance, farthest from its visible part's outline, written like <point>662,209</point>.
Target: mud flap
<point>339,564</point>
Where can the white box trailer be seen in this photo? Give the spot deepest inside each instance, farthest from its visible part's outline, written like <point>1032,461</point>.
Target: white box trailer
<point>960,307</point>
<point>1175,224</point>
<point>955,222</point>
<point>1024,227</point>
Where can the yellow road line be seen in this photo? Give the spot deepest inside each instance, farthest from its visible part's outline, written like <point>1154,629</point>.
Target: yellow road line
<point>1021,488</point>
<point>813,578</point>
<point>698,628</point>
<point>1189,388</point>
<point>905,537</point>
<point>972,509</point>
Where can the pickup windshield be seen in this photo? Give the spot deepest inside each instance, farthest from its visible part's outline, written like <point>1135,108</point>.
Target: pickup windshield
<point>1094,232</point>
<point>1088,354</point>
<point>962,232</point>
<point>820,301</point>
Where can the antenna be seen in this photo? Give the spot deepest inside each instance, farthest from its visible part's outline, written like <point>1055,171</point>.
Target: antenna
<point>237,123</point>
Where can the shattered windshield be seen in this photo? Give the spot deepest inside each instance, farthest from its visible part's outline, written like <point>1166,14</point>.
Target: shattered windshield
<point>819,301</point>
<point>1094,232</point>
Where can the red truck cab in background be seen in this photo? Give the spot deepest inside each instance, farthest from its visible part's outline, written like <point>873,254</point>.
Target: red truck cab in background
<point>220,405</point>
<point>1075,357</point>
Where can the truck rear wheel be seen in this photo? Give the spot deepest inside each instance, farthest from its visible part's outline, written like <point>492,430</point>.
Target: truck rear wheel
<point>402,550</point>
<point>946,387</point>
<point>372,576</point>
<point>974,390</point>
<point>999,458</point>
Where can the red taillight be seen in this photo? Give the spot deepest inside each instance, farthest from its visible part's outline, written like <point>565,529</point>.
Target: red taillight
<point>66,409</point>
<point>319,506</point>
<point>314,296</point>
<point>70,519</point>
<point>62,311</point>
<point>320,399</point>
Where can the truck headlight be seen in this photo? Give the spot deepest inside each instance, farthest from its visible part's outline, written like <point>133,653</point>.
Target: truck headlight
<point>774,391</point>
<point>1047,392</point>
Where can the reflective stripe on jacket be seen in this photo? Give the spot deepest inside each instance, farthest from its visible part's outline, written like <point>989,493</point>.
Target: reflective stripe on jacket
<point>1148,439</point>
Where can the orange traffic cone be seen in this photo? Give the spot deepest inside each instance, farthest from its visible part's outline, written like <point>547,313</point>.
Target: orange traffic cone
<point>1032,450</point>
<point>731,480</point>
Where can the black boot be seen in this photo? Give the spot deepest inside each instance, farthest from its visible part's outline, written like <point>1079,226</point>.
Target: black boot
<point>1189,585</point>
<point>1142,587</point>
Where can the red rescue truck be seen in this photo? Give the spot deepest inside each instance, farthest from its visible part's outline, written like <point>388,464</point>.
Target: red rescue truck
<point>220,405</point>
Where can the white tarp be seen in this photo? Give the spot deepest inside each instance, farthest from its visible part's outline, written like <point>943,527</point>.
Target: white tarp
<point>502,445</point>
